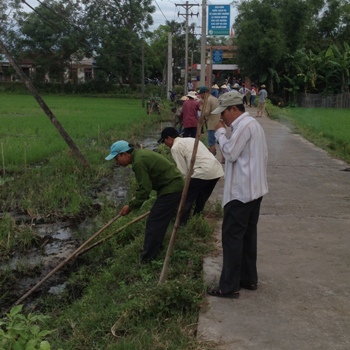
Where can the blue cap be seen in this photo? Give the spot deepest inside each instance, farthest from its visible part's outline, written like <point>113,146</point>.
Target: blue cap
<point>118,147</point>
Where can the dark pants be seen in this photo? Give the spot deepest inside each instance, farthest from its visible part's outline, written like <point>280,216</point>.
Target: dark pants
<point>163,210</point>
<point>190,132</point>
<point>239,242</point>
<point>198,193</point>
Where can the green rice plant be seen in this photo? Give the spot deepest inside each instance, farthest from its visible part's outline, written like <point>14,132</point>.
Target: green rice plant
<point>27,132</point>
<point>54,184</point>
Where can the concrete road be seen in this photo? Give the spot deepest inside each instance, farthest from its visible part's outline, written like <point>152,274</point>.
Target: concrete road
<point>303,298</point>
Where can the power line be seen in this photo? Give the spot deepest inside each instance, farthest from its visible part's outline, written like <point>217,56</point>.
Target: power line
<point>161,10</point>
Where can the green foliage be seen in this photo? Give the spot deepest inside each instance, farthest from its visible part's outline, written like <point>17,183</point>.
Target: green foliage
<point>21,332</point>
<point>298,45</point>
<point>124,295</point>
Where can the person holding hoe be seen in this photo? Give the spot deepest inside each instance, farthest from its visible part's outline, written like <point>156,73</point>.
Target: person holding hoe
<point>153,172</point>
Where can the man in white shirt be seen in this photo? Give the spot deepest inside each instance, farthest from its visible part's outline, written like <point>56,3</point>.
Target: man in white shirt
<point>206,171</point>
<point>245,152</point>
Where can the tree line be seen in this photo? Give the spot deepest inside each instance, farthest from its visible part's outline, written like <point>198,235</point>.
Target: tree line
<point>290,45</point>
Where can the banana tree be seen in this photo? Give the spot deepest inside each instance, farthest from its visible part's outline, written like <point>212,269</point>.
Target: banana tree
<point>339,61</point>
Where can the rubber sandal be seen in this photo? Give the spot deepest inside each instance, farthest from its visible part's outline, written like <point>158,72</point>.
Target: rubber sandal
<point>216,292</point>
<point>249,286</point>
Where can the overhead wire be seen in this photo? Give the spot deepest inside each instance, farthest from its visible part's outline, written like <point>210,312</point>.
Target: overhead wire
<point>161,10</point>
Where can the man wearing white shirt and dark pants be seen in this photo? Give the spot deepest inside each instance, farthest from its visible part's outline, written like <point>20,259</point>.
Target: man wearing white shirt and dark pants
<point>245,152</point>
<point>206,171</point>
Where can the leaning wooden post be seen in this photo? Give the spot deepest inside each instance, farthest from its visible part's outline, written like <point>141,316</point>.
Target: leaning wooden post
<point>184,193</point>
<point>44,106</point>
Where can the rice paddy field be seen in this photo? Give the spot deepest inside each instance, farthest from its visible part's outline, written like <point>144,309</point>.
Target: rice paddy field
<point>28,136</point>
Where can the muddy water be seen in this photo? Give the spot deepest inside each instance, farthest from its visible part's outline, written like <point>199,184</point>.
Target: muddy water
<point>58,241</point>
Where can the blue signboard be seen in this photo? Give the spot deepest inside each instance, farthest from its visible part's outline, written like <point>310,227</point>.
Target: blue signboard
<point>219,20</point>
<point>217,56</point>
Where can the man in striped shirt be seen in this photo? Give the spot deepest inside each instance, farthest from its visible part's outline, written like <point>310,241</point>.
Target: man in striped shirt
<point>245,152</point>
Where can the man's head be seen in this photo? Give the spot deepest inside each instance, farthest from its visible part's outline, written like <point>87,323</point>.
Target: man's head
<point>121,152</point>
<point>168,136</point>
<point>192,95</point>
<point>230,106</point>
<point>202,91</point>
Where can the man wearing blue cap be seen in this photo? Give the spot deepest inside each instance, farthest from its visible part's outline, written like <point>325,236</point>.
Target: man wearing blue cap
<point>153,172</point>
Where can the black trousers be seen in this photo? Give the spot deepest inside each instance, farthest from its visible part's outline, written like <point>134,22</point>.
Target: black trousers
<point>190,132</point>
<point>163,210</point>
<point>199,191</point>
<point>239,243</point>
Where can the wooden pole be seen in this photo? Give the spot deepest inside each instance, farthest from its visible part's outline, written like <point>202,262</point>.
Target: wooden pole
<point>44,106</point>
<point>114,233</point>
<point>184,193</point>
<point>3,158</point>
<point>25,157</point>
<point>64,262</point>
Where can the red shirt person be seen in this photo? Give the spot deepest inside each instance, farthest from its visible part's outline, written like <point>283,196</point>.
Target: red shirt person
<point>189,115</point>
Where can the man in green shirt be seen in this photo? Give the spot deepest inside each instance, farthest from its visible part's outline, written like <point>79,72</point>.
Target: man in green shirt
<point>152,172</point>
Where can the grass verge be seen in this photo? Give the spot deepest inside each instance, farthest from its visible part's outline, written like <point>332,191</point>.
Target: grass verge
<point>327,128</point>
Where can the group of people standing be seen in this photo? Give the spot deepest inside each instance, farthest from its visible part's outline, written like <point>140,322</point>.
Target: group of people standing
<point>242,143</point>
<point>251,92</point>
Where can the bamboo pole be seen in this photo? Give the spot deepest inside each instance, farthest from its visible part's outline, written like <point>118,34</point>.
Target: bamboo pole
<point>114,233</point>
<point>25,157</point>
<point>3,158</point>
<point>64,262</point>
<point>184,193</point>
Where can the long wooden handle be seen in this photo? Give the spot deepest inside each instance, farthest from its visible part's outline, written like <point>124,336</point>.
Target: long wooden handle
<point>64,262</point>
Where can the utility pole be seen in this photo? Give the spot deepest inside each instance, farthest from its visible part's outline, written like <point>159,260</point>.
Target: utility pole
<point>186,6</point>
<point>203,42</point>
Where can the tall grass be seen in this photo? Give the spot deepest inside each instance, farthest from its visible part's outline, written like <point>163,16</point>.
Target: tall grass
<point>328,128</point>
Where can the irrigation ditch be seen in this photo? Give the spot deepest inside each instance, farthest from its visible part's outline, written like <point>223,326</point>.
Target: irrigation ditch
<point>57,241</point>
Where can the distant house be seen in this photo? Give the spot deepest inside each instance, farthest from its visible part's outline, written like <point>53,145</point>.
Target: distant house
<point>7,73</point>
<point>79,71</point>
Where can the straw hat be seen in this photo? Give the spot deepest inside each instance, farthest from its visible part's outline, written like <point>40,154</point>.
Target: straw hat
<point>184,98</point>
<point>215,86</point>
<point>192,94</point>
<point>223,86</point>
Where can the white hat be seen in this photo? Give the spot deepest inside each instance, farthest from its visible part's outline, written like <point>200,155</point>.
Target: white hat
<point>223,86</point>
<point>215,86</point>
<point>192,94</point>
